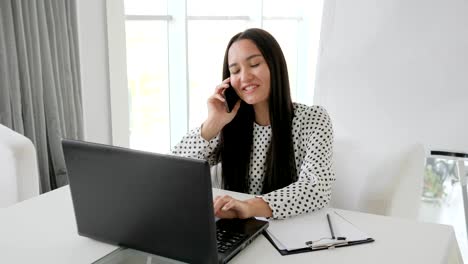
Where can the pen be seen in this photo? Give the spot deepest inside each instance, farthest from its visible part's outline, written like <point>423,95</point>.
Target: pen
<point>331,227</point>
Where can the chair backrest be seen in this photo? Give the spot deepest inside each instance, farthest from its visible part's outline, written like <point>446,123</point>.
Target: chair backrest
<point>382,182</point>
<point>19,174</point>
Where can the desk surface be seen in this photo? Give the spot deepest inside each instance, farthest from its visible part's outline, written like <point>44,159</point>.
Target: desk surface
<point>43,230</point>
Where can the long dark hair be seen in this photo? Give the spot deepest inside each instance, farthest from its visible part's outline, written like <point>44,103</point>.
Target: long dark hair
<point>237,136</point>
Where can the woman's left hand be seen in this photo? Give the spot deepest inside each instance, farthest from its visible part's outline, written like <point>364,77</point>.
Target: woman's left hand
<point>228,207</point>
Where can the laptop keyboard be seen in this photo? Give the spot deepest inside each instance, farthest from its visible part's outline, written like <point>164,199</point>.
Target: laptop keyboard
<point>227,239</point>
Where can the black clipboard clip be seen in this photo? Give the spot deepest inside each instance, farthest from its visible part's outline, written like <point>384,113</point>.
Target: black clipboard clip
<point>331,245</point>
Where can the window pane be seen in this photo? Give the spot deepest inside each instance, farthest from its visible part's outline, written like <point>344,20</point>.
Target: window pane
<point>442,197</point>
<point>145,7</point>
<point>285,32</point>
<point>205,61</point>
<point>147,72</point>
<point>283,8</point>
<point>217,7</point>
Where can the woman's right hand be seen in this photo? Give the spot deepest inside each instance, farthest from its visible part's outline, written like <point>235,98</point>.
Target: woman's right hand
<point>218,117</point>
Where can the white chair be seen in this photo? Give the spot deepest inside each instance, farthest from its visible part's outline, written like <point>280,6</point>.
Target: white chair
<point>19,174</point>
<point>369,180</point>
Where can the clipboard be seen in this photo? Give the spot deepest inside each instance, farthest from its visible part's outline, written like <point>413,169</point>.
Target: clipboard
<point>312,232</point>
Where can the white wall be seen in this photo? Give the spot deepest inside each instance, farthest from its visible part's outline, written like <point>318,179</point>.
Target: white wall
<point>404,61</point>
<point>92,35</point>
<point>393,74</point>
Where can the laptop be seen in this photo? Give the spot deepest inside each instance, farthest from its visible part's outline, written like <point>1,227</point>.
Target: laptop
<point>156,203</point>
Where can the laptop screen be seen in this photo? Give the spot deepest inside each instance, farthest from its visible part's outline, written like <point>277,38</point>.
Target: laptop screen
<point>157,203</point>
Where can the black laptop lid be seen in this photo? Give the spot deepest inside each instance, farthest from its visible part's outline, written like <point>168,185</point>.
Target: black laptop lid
<point>143,200</point>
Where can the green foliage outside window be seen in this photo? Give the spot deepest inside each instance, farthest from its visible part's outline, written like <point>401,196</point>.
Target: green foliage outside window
<point>433,185</point>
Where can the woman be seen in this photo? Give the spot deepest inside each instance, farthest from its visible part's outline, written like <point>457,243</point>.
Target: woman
<point>267,144</point>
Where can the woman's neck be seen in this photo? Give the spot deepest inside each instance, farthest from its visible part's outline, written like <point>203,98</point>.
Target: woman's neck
<point>262,114</point>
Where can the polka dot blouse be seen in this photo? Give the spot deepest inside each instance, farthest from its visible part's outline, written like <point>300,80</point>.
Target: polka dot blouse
<point>313,142</point>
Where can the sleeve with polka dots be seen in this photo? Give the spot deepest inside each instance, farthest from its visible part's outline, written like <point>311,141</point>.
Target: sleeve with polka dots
<point>312,190</point>
<point>193,145</point>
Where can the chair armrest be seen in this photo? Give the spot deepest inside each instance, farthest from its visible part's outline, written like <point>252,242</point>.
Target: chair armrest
<point>19,151</point>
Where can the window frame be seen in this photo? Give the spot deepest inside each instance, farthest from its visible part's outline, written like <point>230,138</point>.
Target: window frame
<point>177,22</point>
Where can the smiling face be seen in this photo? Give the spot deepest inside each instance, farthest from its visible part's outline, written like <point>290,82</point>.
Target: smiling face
<point>249,72</point>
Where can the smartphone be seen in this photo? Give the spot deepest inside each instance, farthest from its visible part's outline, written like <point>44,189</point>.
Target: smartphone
<point>231,98</point>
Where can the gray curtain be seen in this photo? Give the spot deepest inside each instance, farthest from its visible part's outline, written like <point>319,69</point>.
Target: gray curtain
<point>40,93</point>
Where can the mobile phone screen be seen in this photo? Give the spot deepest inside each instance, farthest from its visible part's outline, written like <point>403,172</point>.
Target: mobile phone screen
<point>231,98</point>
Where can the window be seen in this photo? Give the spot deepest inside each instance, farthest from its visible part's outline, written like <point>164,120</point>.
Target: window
<point>175,50</point>
<point>147,74</point>
<point>205,59</point>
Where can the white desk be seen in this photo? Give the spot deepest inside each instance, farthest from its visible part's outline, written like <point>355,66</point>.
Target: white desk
<point>43,230</point>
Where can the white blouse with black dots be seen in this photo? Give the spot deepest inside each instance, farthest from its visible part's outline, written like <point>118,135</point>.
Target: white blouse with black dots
<point>313,149</point>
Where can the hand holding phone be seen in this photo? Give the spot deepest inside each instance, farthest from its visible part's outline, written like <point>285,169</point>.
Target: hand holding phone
<point>231,98</point>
